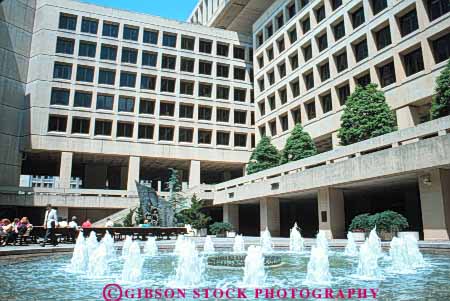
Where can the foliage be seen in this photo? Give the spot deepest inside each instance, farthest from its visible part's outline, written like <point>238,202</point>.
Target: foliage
<point>360,223</point>
<point>117,225</point>
<point>194,215</point>
<point>298,146</point>
<point>441,102</point>
<point>220,228</point>
<point>388,221</point>
<point>176,199</point>
<point>128,220</point>
<point>366,115</point>
<point>139,217</point>
<point>264,156</point>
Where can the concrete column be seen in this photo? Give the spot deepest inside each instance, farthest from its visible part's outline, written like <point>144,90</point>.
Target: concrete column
<point>65,170</point>
<point>407,117</point>
<point>134,166</point>
<point>269,209</point>
<point>231,215</point>
<point>435,202</point>
<point>194,173</point>
<point>335,140</point>
<point>331,212</point>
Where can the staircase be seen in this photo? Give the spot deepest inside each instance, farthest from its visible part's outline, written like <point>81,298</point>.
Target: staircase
<point>115,218</point>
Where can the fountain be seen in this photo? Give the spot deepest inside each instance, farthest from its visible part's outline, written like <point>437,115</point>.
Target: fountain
<point>414,256</point>
<point>190,266</point>
<point>98,262</point>
<point>368,261</point>
<point>351,249</point>
<point>399,256</point>
<point>375,243</point>
<point>322,241</point>
<point>239,244</point>
<point>296,243</point>
<point>150,247</point>
<point>108,241</point>
<point>126,246</point>
<point>79,261</point>
<point>132,267</point>
<point>266,242</point>
<point>179,245</point>
<point>92,243</point>
<point>254,273</point>
<point>208,246</point>
<point>318,270</point>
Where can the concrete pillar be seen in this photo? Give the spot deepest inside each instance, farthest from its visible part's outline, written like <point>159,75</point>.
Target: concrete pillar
<point>269,209</point>
<point>335,140</point>
<point>194,173</point>
<point>65,170</point>
<point>331,212</point>
<point>134,166</point>
<point>407,117</point>
<point>231,215</point>
<point>435,202</point>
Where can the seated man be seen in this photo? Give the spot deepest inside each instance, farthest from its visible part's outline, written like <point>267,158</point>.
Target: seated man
<point>146,224</point>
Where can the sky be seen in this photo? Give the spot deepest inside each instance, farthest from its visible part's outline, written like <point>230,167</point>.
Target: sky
<point>172,9</point>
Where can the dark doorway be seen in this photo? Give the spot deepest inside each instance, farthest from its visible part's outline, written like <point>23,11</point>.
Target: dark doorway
<point>249,222</point>
<point>302,212</point>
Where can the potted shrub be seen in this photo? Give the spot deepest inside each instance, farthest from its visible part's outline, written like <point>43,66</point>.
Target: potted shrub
<point>359,226</point>
<point>388,223</point>
<point>195,217</point>
<point>220,229</point>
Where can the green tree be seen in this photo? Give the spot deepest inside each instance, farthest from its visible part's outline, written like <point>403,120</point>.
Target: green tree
<point>176,198</point>
<point>365,116</point>
<point>194,215</point>
<point>264,156</point>
<point>441,102</point>
<point>128,220</point>
<point>139,217</point>
<point>298,146</point>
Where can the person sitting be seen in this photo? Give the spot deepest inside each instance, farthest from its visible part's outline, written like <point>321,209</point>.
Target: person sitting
<point>146,224</point>
<point>109,223</point>
<point>7,232</point>
<point>73,223</point>
<point>87,224</point>
<point>62,223</point>
<point>25,226</point>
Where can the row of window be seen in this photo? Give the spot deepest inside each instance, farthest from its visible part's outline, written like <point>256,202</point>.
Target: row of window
<point>80,125</point>
<point>147,82</point>
<point>151,36</point>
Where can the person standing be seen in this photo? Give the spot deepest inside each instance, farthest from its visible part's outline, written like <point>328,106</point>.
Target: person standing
<point>50,220</point>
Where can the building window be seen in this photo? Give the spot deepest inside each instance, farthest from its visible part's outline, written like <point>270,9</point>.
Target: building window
<point>222,70</point>
<point>89,25</point>
<point>282,70</point>
<point>361,50</point>
<point>262,130</point>
<point>240,94</point>
<point>358,17</point>
<point>145,131</point>
<point>282,94</point>
<point>239,73</point>
<point>223,92</point>
<point>146,106</point>
<point>280,20</point>
<point>339,30</point>
<point>82,99</point>
<point>168,62</point>
<point>223,115</point>
<point>311,110</point>
<point>205,46</point>
<point>261,84</point>
<point>60,97</point>
<point>149,58</point>
<point>413,62</point>
<point>187,43</point>
<point>57,123</point>
<point>363,80</point>
<point>148,82</point>
<point>281,45</point>
<point>343,94</point>
<point>387,74</point>
<point>307,52</point>
<point>441,48</point>
<point>130,33</point>
<point>240,140</point>
<point>260,39</point>
<point>87,49</point>
<point>85,74</point>
<point>223,138</point>
<point>126,104</point>
<point>295,88</point>
<point>186,111</point>
<point>187,65</point>
<point>103,127</point>
<point>127,79</point>
<point>68,22</point>
<point>437,8</point>
<point>378,6</point>
<point>222,50</point>
<point>166,133</point>
<point>80,125</point>
<point>296,115</point>
<point>341,61</point>
<point>322,42</point>
<point>320,13</point>
<point>108,52</point>
<point>167,85</point>
<point>204,90</point>
<point>383,37</point>
<point>106,77</point>
<point>205,68</point>
<point>284,123</point>
<point>105,102</point>
<point>324,71</point>
<point>150,37</point>
<point>186,135</point>
<point>62,71</point>
<point>408,23</point>
<point>262,108</point>
<point>291,10</point>
<point>125,130</point>
<point>167,109</point>
<point>327,104</point>
<point>240,117</point>
<point>204,113</point>
<point>110,30</point>
<point>65,46</point>
<point>169,40</point>
<point>271,101</point>
<point>293,35</point>
<point>269,30</point>
<point>204,137</point>
<point>239,53</point>
<point>129,55</point>
<point>273,128</point>
<point>270,54</point>
<point>309,80</point>
<point>294,61</point>
<point>186,88</point>
<point>335,4</point>
<point>306,25</point>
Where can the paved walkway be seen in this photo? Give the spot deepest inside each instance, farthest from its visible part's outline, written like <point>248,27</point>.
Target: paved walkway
<point>219,243</point>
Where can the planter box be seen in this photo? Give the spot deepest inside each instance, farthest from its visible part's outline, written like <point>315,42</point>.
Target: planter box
<point>359,236</point>
<point>408,233</point>
<point>387,236</point>
<point>202,232</point>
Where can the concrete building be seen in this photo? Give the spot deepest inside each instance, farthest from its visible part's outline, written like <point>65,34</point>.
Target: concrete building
<point>108,97</point>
